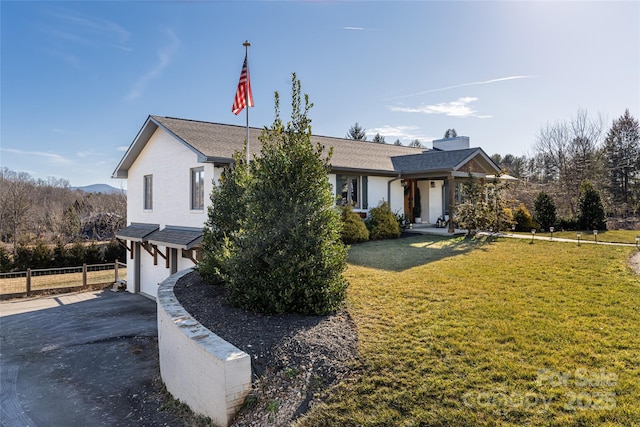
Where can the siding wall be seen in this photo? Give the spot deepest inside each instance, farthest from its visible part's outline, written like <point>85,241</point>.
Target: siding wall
<point>170,163</point>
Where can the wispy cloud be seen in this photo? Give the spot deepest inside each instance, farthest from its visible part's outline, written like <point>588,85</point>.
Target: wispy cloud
<point>123,148</point>
<point>165,56</point>
<point>459,108</point>
<point>51,157</point>
<point>404,133</point>
<point>353,28</point>
<point>97,26</point>
<point>478,83</point>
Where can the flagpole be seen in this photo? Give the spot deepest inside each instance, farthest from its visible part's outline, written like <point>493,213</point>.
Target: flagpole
<point>246,45</point>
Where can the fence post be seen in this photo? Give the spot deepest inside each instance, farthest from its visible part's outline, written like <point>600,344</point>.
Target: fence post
<point>84,274</point>
<point>28,282</point>
<point>115,269</point>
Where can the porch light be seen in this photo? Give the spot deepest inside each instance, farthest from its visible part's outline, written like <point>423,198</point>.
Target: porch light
<point>533,234</point>
<point>579,235</point>
<point>595,235</point>
<point>551,230</point>
<point>433,184</point>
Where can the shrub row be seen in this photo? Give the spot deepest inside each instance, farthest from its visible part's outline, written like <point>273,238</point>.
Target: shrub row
<point>41,255</point>
<point>381,224</point>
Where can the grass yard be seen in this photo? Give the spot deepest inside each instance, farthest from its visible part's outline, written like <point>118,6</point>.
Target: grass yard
<point>490,332</point>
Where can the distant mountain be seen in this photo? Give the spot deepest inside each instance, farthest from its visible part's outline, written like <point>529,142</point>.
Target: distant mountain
<point>100,188</point>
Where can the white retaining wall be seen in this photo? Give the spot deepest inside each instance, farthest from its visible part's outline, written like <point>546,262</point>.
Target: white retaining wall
<point>198,367</point>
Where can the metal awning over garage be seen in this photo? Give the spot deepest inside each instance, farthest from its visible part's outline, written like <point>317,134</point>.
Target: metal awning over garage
<point>176,237</point>
<point>137,232</point>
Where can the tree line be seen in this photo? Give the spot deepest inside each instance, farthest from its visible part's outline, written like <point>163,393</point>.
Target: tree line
<point>577,164</point>
<point>571,154</point>
<point>49,211</point>
<point>41,255</point>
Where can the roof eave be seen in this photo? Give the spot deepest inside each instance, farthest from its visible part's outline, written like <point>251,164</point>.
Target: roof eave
<point>363,171</point>
<point>135,148</point>
<point>140,141</point>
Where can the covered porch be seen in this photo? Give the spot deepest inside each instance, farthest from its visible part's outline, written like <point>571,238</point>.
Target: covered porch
<point>433,181</point>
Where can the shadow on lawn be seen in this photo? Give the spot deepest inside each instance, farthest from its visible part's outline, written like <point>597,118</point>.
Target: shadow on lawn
<point>405,253</point>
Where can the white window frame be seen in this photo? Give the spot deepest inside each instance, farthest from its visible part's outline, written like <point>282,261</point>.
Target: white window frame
<point>147,192</point>
<point>197,189</point>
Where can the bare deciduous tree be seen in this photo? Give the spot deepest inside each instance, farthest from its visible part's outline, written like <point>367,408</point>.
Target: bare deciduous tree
<point>571,150</point>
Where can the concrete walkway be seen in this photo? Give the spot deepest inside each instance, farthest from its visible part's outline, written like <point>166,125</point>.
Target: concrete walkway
<point>588,240</point>
<point>85,359</point>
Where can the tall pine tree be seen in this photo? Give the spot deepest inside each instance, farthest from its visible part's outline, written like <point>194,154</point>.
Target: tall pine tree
<point>622,152</point>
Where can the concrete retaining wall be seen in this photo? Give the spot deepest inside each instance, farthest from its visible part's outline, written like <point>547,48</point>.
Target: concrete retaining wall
<point>199,368</point>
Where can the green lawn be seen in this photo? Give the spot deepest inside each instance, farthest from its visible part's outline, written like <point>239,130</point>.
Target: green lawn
<point>490,332</point>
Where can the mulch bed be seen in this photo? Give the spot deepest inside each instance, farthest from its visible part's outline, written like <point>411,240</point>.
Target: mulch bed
<point>295,359</point>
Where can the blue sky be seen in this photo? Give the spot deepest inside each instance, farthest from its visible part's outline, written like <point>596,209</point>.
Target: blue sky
<point>78,79</point>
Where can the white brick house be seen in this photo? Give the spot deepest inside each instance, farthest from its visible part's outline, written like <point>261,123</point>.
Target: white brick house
<point>172,164</point>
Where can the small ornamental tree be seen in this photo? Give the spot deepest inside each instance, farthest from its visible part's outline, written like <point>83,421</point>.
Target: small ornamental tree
<point>500,215</point>
<point>591,215</point>
<point>287,256</point>
<point>473,213</point>
<point>544,210</point>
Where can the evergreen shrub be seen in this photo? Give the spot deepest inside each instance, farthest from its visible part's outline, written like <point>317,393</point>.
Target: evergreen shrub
<point>354,230</point>
<point>382,223</point>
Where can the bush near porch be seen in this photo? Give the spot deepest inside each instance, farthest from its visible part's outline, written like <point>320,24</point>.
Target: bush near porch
<point>490,332</point>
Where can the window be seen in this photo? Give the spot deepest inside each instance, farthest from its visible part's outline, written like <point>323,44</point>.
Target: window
<point>148,192</point>
<point>197,188</point>
<point>352,190</point>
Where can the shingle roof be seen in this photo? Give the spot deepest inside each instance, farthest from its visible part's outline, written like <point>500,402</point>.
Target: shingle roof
<point>434,160</point>
<point>220,141</point>
<point>215,142</point>
<point>137,232</point>
<point>176,237</point>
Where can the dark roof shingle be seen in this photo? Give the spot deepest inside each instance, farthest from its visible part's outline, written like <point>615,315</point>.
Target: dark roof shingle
<point>433,160</point>
<point>215,140</point>
<point>176,237</point>
<point>137,232</point>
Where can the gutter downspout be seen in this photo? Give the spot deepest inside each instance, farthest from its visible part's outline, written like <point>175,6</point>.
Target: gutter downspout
<point>389,187</point>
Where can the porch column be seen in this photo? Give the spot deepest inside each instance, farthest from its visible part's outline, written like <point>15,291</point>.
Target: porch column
<point>136,267</point>
<point>452,201</point>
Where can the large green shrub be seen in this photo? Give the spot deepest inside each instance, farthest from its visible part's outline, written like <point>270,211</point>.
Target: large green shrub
<point>523,219</point>
<point>382,223</point>
<point>354,229</point>
<point>114,251</point>
<point>544,210</point>
<point>5,261</point>
<point>224,222</point>
<point>591,215</point>
<point>568,224</point>
<point>287,256</point>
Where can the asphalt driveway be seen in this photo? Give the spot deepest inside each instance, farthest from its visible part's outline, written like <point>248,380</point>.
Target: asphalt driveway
<point>86,359</point>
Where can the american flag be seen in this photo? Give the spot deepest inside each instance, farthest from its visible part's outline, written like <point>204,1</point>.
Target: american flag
<point>242,97</point>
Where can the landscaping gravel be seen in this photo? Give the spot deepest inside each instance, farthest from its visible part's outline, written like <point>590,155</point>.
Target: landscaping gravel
<point>295,360</point>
